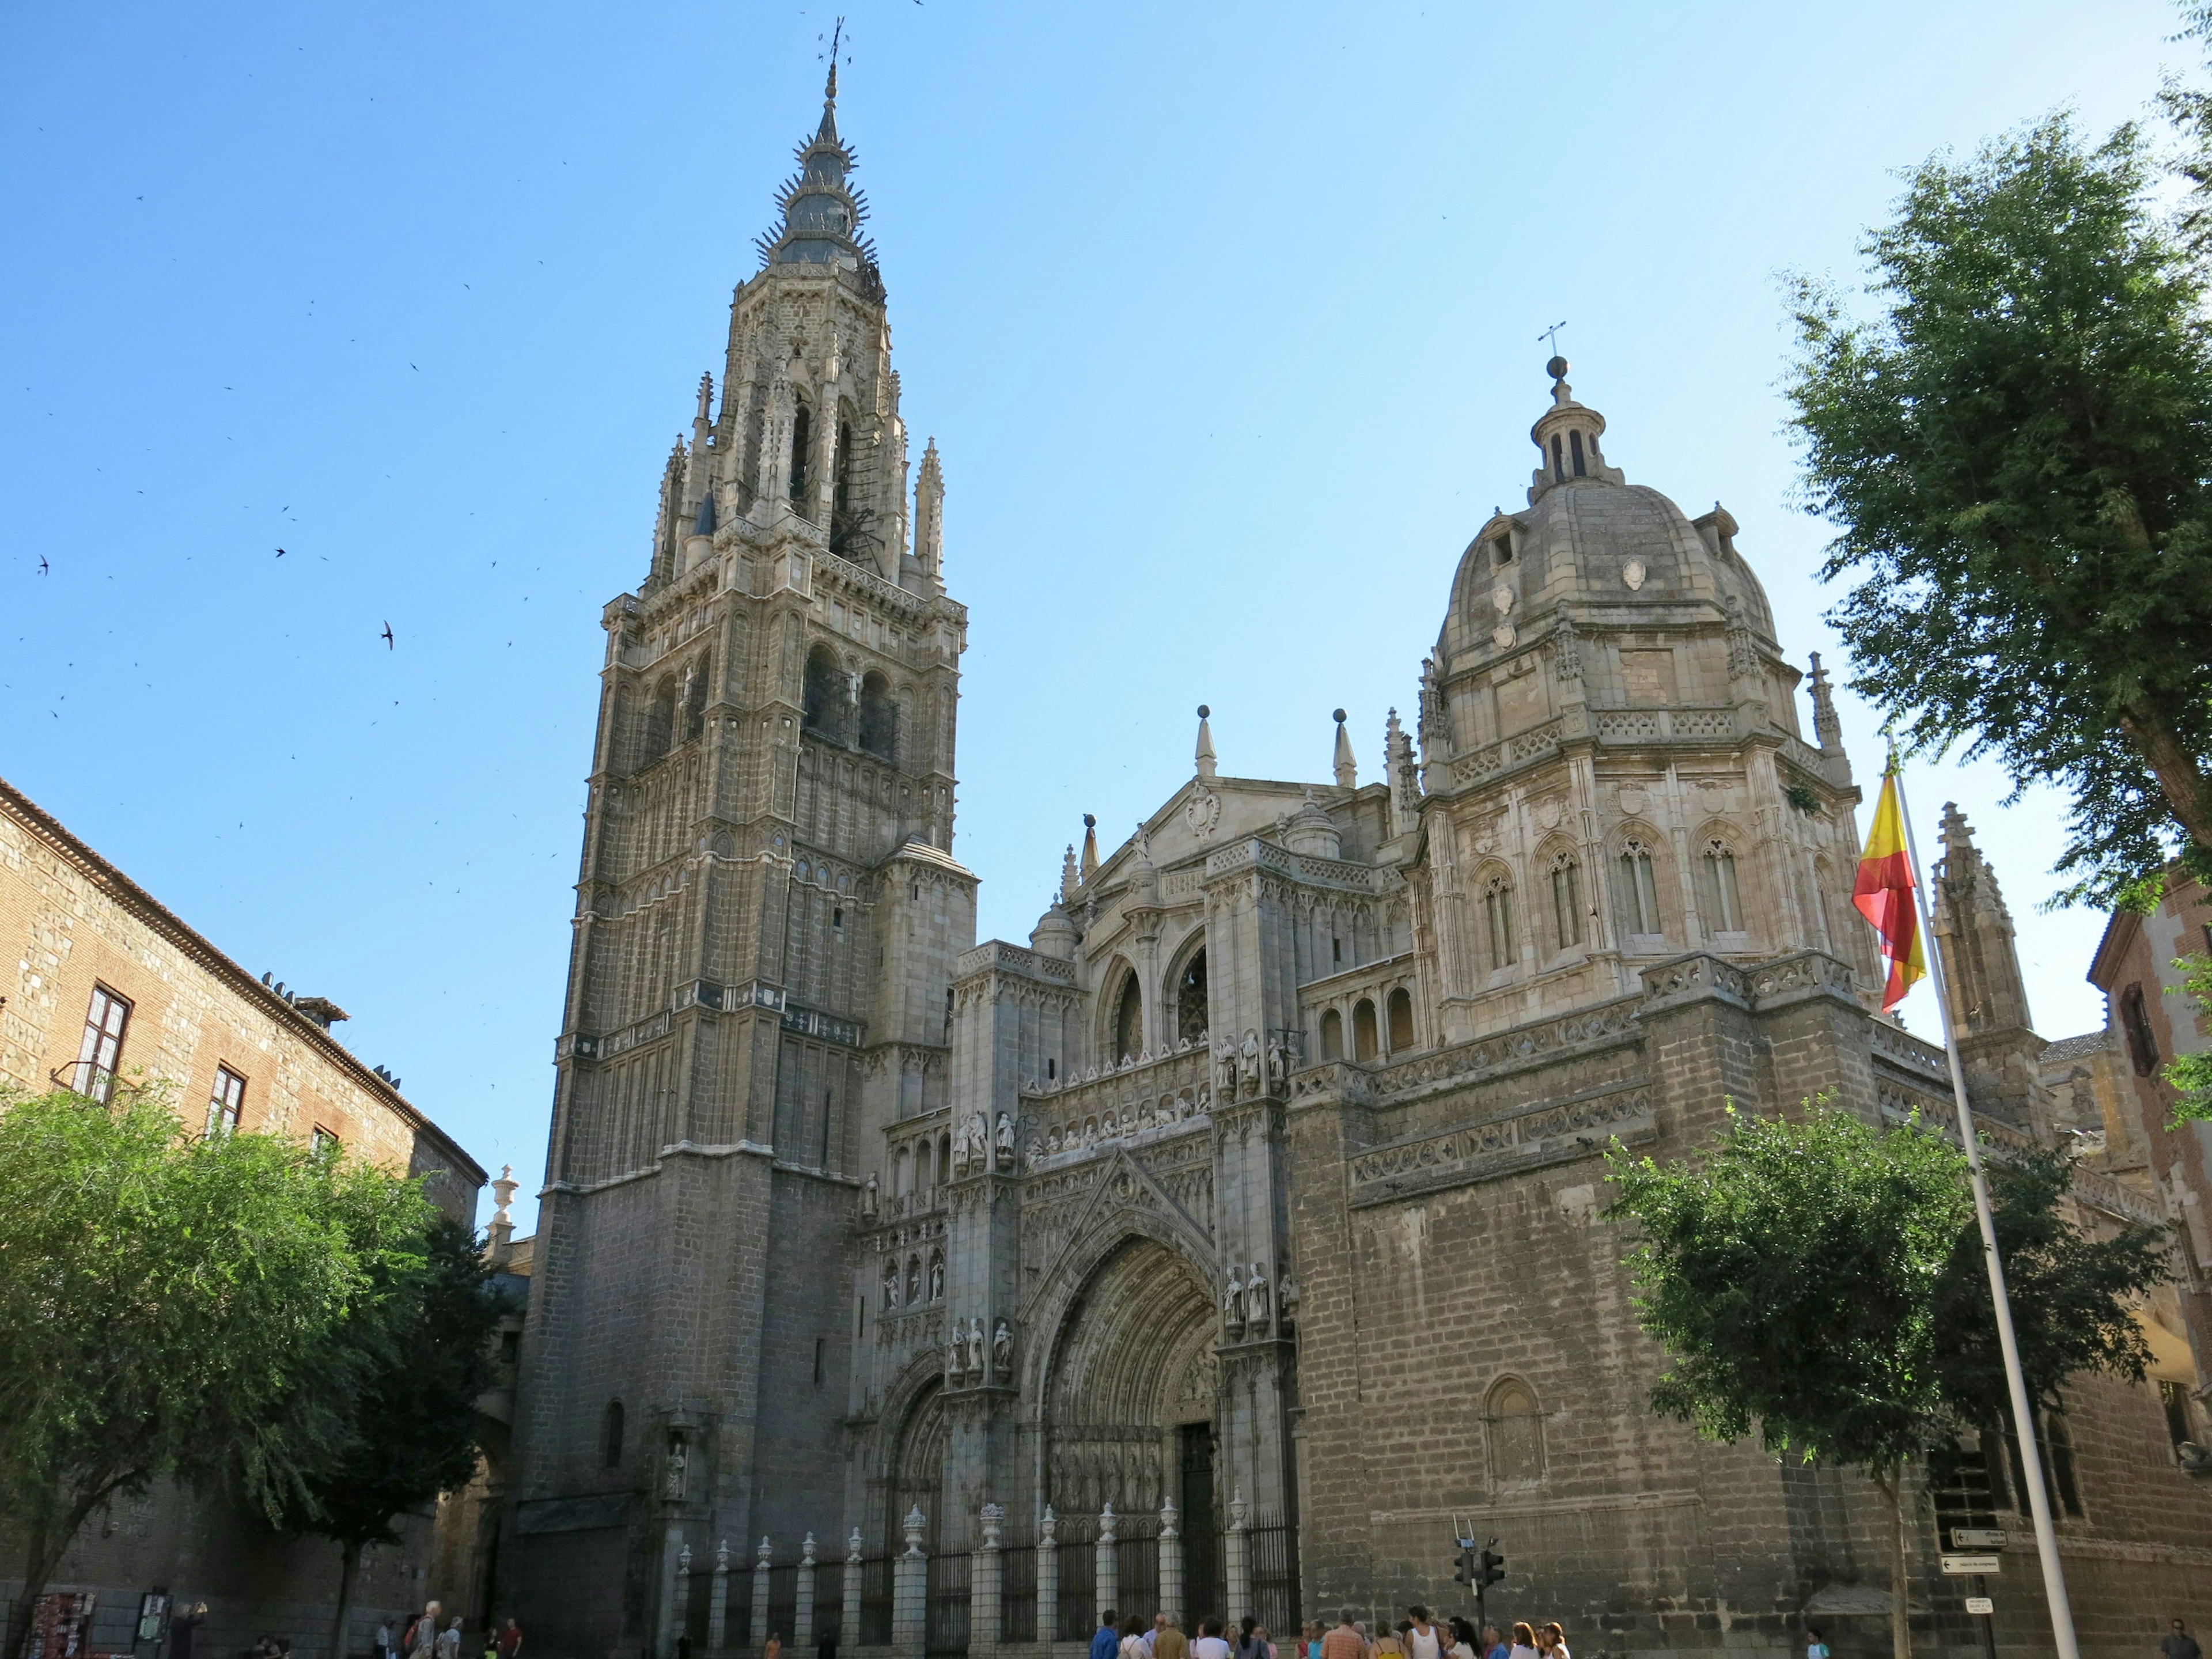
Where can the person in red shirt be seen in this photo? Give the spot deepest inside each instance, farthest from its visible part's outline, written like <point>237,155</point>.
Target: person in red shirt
<point>510,1640</point>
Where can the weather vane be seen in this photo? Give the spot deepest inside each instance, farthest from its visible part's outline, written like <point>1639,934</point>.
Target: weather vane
<point>1552,334</point>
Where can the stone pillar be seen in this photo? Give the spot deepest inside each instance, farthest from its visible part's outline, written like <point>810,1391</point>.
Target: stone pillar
<point>849,1630</point>
<point>1170,1562</point>
<point>682,1620</point>
<point>759,1631</point>
<point>1108,1573</point>
<point>802,1617</point>
<point>1239,1564</point>
<point>984,1580</point>
<point>910,1588</point>
<point>1047,1577</point>
<point>718,1605</point>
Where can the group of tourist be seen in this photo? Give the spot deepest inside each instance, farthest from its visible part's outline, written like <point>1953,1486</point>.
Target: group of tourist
<point>1418,1635</point>
<point>430,1635</point>
<point>1163,1638</point>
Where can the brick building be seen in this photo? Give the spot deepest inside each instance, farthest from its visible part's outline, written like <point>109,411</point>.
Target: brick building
<point>107,984</point>
<point>1216,1248</point>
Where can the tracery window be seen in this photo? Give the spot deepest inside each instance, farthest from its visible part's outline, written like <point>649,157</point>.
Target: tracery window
<point>1639,890</point>
<point>659,721</point>
<point>1498,918</point>
<point>1516,1433</point>
<point>828,696</point>
<point>695,701</point>
<point>802,447</point>
<point>1128,1022</point>
<point>1724,901</point>
<point>1190,998</point>
<point>1567,899</point>
<point>1332,1035</point>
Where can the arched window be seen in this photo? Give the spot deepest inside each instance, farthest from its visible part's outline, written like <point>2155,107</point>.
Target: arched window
<point>841,499</point>
<point>1332,1035</point>
<point>1515,1434</point>
<point>1575,448</point>
<point>924,1164</point>
<point>1639,890</point>
<point>944,1155</point>
<point>610,1435</point>
<point>1190,998</point>
<point>1363,1030</point>
<point>802,450</point>
<point>1128,1022</point>
<point>1497,919</point>
<point>1567,899</point>
<point>1502,548</point>
<point>659,721</point>
<point>694,701</point>
<point>1723,901</point>
<point>901,1173</point>
<point>1559,461</point>
<point>879,718</point>
<point>828,696</point>
<point>1401,1008</point>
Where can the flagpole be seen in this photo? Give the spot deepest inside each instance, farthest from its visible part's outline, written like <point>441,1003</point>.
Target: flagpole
<point>2023,1416</point>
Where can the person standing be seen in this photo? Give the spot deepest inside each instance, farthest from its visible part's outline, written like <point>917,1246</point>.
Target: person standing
<point>383,1644</point>
<point>1168,1640</point>
<point>1344,1642</point>
<point>1152,1636</point>
<point>825,1645</point>
<point>1555,1642</point>
<point>449,1641</point>
<point>1493,1644</point>
<point>1209,1644</point>
<point>2177,1645</point>
<point>774,1647</point>
<point>425,1642</point>
<point>1133,1639</point>
<point>182,1624</point>
<point>1105,1641</point>
<point>1816,1645</point>
<point>1420,1638</point>
<point>1524,1642</point>
<point>510,1640</point>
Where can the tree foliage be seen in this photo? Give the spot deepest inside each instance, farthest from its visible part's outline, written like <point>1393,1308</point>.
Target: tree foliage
<point>170,1309</point>
<point>2016,449</point>
<point>2191,1074</point>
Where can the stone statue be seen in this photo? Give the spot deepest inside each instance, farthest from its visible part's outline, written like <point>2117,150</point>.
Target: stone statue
<point>679,1461</point>
<point>976,1348</point>
<point>869,1201</point>
<point>1251,1067</point>
<point>1277,1071</point>
<point>1232,1302</point>
<point>979,1143</point>
<point>890,1287</point>
<point>956,1354</point>
<point>1255,1299</point>
<point>1225,1069</point>
<point>1005,1141</point>
<point>1286,1298</point>
<point>936,1278</point>
<point>1002,1351</point>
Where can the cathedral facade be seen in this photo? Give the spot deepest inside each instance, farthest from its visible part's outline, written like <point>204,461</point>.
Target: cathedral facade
<point>1234,1244</point>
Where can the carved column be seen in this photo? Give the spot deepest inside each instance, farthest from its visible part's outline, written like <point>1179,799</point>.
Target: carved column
<point>1107,1574</point>
<point>910,1588</point>
<point>759,1632</point>
<point>1171,1561</point>
<point>802,1617</point>
<point>1047,1577</point>
<point>682,1622</point>
<point>1238,1566</point>
<point>984,1580</point>
<point>849,1630</point>
<point>717,1604</point>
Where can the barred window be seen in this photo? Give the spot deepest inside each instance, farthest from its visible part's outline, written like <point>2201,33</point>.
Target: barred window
<point>101,1050</point>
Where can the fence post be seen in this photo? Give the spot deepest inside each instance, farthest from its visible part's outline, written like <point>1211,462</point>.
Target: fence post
<point>718,1602</point>
<point>984,1582</point>
<point>683,1595</point>
<point>1048,1577</point>
<point>1238,1590</point>
<point>802,1615</point>
<point>1107,1570</point>
<point>1170,1562</point>
<point>759,1631</point>
<point>849,1630</point>
<point>910,1588</point>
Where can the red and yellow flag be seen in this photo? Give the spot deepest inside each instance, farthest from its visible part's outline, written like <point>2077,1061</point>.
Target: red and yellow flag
<point>1883,894</point>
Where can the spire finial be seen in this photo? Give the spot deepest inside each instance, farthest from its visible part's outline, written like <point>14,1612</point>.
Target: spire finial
<point>1347,770</point>
<point>1089,846</point>
<point>836,40</point>
<point>1206,757</point>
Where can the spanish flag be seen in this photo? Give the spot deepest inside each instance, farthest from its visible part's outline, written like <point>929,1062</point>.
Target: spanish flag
<point>1883,894</point>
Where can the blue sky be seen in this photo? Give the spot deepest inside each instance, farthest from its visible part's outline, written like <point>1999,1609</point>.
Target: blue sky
<point>1225,318</point>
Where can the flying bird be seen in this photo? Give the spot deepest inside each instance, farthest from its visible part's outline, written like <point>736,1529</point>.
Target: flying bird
<point>388,645</point>
<point>280,552</point>
<point>43,566</point>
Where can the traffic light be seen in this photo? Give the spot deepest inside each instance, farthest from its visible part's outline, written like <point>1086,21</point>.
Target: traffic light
<point>1493,1567</point>
<point>1464,1572</point>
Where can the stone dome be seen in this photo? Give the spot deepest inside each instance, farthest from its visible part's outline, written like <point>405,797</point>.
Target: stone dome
<point>1619,552</point>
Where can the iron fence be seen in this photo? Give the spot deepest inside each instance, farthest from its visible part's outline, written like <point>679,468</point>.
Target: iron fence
<point>1274,1558</point>
<point>1077,1554</point>
<point>876,1582</point>
<point>783,1601</point>
<point>1017,1575</point>
<point>948,1605</point>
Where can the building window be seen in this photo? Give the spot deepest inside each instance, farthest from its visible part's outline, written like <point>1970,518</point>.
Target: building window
<point>802,443</point>
<point>1575,448</point>
<point>101,1050</point>
<point>1515,1434</point>
<point>325,1144</point>
<point>2173,1400</point>
<point>1503,547</point>
<point>1332,1035</point>
<point>1724,901</point>
<point>1567,900</point>
<point>695,700</point>
<point>879,718</point>
<point>1559,461</point>
<point>1190,1000</point>
<point>2135,1022</point>
<point>659,722</point>
<point>828,696</point>
<point>227,1100</point>
<point>820,1344</point>
<point>610,1435</point>
<point>1400,1021</point>
<point>1498,915</point>
<point>1363,1030</point>
<point>1639,890</point>
<point>1128,1022</point>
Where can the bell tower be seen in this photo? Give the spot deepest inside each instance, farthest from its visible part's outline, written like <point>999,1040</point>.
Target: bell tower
<point>767,915</point>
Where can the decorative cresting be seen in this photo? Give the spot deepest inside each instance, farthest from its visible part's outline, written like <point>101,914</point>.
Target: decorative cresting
<point>1118,1388</point>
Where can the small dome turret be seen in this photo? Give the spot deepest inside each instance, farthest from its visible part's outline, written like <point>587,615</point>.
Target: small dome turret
<point>1311,831</point>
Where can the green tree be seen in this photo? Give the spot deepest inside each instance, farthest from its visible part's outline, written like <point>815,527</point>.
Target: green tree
<point>169,1308</point>
<point>1819,1283</point>
<point>2191,1074</point>
<point>2016,448</point>
<point>424,1360</point>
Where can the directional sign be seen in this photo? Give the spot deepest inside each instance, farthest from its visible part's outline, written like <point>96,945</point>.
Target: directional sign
<point>1981,1604</point>
<point>1973,1563</point>
<point>1977,1538</point>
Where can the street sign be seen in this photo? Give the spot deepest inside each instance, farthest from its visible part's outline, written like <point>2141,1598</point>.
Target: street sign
<point>1973,1563</point>
<point>1981,1604</point>
<point>1977,1538</point>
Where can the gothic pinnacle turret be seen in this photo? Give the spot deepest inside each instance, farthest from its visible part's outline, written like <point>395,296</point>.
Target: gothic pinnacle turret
<point>821,213</point>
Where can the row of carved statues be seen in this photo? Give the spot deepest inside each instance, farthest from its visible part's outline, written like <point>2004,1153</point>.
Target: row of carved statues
<point>1247,1304</point>
<point>964,1352</point>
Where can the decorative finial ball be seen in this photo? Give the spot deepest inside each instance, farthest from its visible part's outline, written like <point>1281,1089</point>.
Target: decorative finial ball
<point>1339,717</point>
<point>1089,822</point>
<point>1556,369</point>
<point>1203,712</point>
